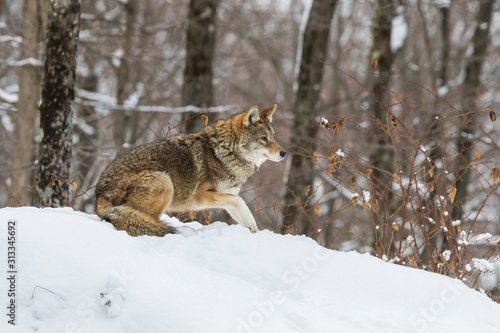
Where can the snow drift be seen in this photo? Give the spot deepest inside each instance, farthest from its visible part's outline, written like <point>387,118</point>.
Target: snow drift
<point>76,273</point>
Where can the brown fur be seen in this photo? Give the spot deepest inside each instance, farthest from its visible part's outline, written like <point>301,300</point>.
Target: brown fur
<point>187,172</point>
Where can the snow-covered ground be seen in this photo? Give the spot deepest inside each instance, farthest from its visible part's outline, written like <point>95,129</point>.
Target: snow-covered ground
<point>78,274</point>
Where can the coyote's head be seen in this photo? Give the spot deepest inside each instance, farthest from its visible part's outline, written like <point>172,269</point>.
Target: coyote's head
<point>257,136</point>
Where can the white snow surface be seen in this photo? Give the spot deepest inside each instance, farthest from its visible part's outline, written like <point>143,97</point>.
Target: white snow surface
<point>78,274</point>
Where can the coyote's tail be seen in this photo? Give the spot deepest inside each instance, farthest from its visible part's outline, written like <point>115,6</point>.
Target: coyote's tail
<point>133,221</point>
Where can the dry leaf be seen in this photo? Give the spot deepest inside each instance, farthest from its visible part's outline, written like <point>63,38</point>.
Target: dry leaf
<point>431,172</point>
<point>53,179</point>
<point>353,178</point>
<point>395,226</point>
<point>393,99</point>
<point>275,207</point>
<point>340,125</point>
<point>374,63</point>
<point>370,171</point>
<point>453,192</point>
<point>478,153</point>
<point>308,189</point>
<point>493,116</point>
<point>257,207</point>
<point>192,215</point>
<point>317,210</point>
<point>495,174</point>
<point>73,183</point>
<point>393,122</point>
<point>204,117</point>
<point>315,158</point>
<point>397,177</point>
<point>432,188</point>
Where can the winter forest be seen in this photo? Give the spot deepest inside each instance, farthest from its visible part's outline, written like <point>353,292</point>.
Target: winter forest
<point>387,109</point>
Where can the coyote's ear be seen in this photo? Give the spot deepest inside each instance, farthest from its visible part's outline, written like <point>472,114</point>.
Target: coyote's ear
<point>251,116</point>
<point>268,113</point>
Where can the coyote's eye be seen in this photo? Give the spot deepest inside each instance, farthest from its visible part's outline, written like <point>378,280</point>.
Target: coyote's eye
<point>264,138</point>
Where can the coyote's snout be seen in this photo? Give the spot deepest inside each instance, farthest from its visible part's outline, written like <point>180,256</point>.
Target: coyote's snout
<point>188,172</point>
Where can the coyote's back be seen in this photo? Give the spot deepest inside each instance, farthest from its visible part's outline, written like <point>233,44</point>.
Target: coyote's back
<point>187,172</point>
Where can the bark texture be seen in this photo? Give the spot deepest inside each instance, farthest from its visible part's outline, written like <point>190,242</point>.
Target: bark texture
<point>197,88</point>
<point>58,94</point>
<point>305,109</point>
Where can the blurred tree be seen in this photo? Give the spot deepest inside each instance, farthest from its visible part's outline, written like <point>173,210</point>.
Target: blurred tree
<point>197,88</point>
<point>58,95</point>
<point>471,90</point>
<point>30,77</point>
<point>122,76</point>
<point>382,154</point>
<point>305,110</point>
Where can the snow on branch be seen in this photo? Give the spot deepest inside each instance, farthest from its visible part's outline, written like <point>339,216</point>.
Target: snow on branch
<point>104,101</point>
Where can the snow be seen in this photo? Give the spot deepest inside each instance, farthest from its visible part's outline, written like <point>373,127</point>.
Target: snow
<point>399,30</point>
<point>8,97</point>
<point>78,274</point>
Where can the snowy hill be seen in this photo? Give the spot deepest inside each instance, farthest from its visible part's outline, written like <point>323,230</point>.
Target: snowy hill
<point>78,274</point>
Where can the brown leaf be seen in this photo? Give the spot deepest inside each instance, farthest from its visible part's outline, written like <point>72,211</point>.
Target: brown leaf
<point>374,63</point>
<point>257,207</point>
<point>204,117</point>
<point>353,178</point>
<point>73,183</point>
<point>397,177</point>
<point>275,207</point>
<point>453,192</point>
<point>340,125</point>
<point>431,172</point>
<point>478,153</point>
<point>493,116</point>
<point>317,210</point>
<point>495,174</point>
<point>53,178</point>
<point>393,99</point>
<point>308,189</point>
<point>395,226</point>
<point>393,122</point>
<point>315,158</point>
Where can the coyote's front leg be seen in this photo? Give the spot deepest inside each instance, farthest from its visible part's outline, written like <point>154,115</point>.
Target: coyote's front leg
<point>233,204</point>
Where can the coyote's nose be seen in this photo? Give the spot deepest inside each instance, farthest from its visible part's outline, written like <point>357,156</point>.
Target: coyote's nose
<point>282,153</point>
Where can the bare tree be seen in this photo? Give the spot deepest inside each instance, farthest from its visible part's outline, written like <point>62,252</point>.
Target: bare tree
<point>305,109</point>
<point>381,58</point>
<point>23,154</point>
<point>471,89</point>
<point>123,74</point>
<point>197,88</point>
<point>58,94</point>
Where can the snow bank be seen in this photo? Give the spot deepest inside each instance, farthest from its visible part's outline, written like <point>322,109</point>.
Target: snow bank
<point>78,274</point>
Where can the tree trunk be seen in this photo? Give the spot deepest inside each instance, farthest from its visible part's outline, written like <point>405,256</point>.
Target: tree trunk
<point>122,78</point>
<point>23,153</point>
<point>197,88</point>
<point>305,110</point>
<point>382,154</point>
<point>58,94</point>
<point>471,88</point>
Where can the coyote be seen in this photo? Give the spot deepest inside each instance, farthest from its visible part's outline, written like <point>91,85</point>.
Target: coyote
<point>188,172</point>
